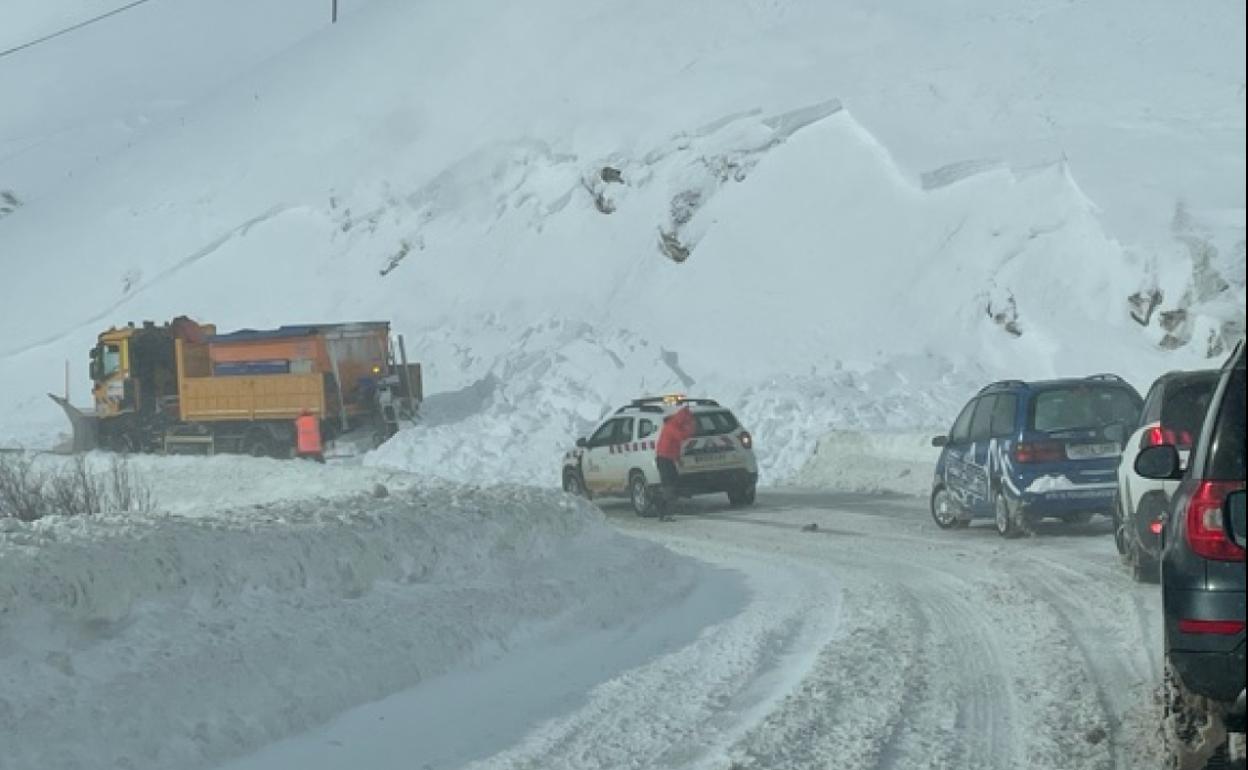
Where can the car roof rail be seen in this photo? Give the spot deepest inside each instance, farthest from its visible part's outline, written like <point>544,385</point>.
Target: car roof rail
<point>649,408</point>
<point>1105,377</point>
<point>699,401</point>
<point>1003,384</point>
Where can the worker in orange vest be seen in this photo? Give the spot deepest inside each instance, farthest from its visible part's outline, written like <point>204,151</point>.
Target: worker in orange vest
<point>308,436</point>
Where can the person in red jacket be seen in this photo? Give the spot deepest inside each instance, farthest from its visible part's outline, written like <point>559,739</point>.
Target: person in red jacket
<point>677,429</point>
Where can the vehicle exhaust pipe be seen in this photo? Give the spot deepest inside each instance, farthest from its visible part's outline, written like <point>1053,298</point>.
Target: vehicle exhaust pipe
<point>86,426</point>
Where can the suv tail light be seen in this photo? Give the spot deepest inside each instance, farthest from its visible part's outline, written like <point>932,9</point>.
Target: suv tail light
<point>1219,627</point>
<point>1204,522</point>
<point>1156,435</point>
<point>1039,452</point>
<point>746,439</point>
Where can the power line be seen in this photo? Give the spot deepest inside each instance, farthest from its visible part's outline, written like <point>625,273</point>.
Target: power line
<point>79,25</point>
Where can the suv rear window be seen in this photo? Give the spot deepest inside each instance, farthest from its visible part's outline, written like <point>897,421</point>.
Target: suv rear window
<point>1083,406</point>
<point>1183,409</point>
<point>715,423</point>
<point>1227,452</point>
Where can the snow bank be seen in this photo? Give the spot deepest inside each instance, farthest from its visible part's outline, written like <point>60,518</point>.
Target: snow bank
<point>179,641</point>
<point>854,461</point>
<point>202,486</point>
<point>514,402</point>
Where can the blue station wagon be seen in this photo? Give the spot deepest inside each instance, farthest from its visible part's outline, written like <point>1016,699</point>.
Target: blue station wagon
<point>1023,451</point>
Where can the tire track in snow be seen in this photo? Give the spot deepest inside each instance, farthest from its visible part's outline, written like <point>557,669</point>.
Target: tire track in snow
<point>845,712</point>
<point>985,716</point>
<point>949,652</point>
<point>672,711</point>
<point>1110,662</point>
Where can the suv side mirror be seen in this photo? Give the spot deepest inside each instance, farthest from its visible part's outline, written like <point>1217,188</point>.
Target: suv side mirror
<point>939,441</point>
<point>1160,463</point>
<point>1233,518</point>
<point>582,442</point>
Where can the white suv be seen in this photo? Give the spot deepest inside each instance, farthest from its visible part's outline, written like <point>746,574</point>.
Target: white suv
<point>618,459</point>
<point>1173,412</point>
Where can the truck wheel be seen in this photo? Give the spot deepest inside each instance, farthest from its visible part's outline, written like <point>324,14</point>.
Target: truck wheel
<point>639,494</point>
<point>1010,521</point>
<point>121,443</point>
<point>259,444</point>
<point>574,485</point>
<point>742,497</point>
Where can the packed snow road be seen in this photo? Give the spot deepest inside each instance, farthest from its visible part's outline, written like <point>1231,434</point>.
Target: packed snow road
<point>870,640</point>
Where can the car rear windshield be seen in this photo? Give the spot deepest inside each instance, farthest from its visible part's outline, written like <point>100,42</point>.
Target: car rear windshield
<point>1083,406</point>
<point>1183,409</point>
<point>715,423</point>
<point>1226,461</point>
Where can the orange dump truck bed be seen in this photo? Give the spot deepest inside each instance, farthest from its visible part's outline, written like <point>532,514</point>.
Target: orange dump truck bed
<point>275,374</point>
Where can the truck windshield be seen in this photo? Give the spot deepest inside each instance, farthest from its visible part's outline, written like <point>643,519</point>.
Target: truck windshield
<point>1083,406</point>
<point>110,360</point>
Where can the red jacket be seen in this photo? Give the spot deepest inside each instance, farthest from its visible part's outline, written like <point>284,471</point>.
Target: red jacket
<point>678,429</point>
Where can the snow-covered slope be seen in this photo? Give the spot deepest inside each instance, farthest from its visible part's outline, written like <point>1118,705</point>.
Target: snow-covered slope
<point>75,95</point>
<point>830,216</point>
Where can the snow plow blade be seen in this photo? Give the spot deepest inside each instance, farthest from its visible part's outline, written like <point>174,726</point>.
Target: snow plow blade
<point>85,425</point>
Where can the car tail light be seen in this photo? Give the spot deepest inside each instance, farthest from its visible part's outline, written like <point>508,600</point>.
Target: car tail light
<point>1204,522</point>
<point>1039,452</point>
<point>1156,435</point>
<point>746,439</point>
<point>1219,627</point>
<point>1154,526</point>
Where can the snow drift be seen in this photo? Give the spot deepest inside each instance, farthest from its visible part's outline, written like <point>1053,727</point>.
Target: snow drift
<point>180,641</point>
<point>854,461</point>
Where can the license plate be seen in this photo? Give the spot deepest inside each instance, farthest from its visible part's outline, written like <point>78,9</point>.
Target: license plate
<point>1089,451</point>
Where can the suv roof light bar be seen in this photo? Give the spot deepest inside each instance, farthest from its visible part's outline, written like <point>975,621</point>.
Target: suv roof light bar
<point>670,400</point>
<point>1105,377</point>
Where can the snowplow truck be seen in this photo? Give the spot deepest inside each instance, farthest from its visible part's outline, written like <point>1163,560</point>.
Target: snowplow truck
<point>181,386</point>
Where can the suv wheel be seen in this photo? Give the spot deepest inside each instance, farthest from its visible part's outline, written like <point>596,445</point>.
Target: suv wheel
<point>1192,728</point>
<point>639,494</point>
<point>945,511</point>
<point>742,497</point>
<point>573,485</point>
<point>1009,520</point>
<point>1120,532</point>
<point>1143,568</point>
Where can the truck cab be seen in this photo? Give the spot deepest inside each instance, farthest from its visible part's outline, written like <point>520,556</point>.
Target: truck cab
<point>133,370</point>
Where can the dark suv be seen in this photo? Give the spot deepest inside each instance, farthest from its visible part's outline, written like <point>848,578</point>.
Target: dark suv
<point>1023,451</point>
<point>1202,579</point>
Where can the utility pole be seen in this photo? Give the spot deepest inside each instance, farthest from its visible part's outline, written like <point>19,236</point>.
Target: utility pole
<point>333,15</point>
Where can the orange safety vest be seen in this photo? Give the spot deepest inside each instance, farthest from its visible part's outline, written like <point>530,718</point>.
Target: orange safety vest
<point>308,434</point>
